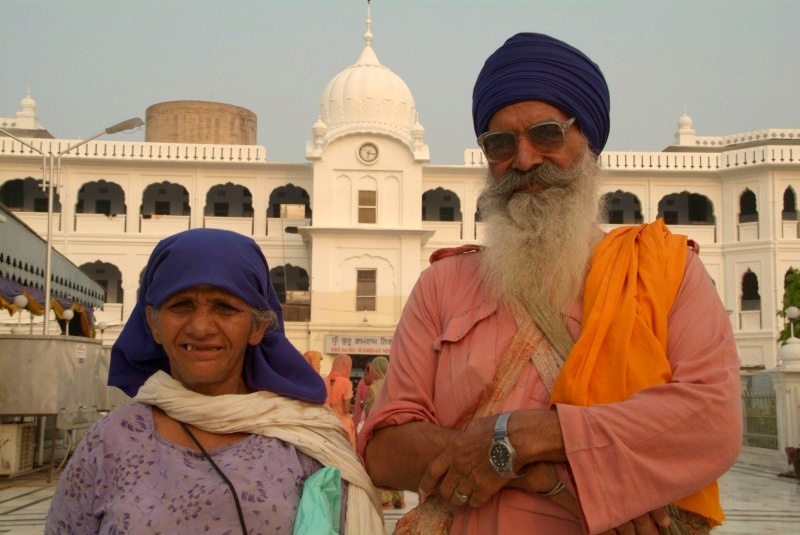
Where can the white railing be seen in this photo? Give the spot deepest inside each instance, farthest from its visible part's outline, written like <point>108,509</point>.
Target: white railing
<point>790,230</point>
<point>138,150</point>
<point>747,137</point>
<point>750,320</point>
<point>682,161</point>
<point>38,221</point>
<point>444,231</point>
<point>163,224</point>
<point>242,225</point>
<point>111,314</point>
<point>276,226</point>
<point>100,223</point>
<point>713,162</point>
<point>474,158</point>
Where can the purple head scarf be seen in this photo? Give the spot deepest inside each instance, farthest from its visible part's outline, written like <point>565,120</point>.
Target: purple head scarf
<point>533,66</point>
<point>231,262</point>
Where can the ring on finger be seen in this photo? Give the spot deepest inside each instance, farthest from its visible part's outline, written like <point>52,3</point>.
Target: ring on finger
<point>462,498</point>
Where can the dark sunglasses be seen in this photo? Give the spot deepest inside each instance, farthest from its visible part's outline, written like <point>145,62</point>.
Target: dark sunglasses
<point>545,137</point>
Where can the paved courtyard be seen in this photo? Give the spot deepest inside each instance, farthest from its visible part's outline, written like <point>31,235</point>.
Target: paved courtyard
<point>756,502</point>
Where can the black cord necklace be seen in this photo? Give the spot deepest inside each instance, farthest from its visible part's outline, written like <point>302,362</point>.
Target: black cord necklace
<point>220,472</point>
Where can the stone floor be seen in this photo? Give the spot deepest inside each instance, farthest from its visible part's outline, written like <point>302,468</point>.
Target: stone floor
<point>756,502</point>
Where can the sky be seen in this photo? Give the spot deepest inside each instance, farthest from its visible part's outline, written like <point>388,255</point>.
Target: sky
<point>733,64</point>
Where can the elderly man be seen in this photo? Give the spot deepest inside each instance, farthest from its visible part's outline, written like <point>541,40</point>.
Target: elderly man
<point>557,380</point>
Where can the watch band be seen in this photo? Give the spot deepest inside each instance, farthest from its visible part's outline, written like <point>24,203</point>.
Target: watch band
<point>501,426</point>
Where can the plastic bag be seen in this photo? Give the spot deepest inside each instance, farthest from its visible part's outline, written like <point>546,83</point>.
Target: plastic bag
<point>320,504</point>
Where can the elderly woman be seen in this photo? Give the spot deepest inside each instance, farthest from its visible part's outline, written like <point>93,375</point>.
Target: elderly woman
<point>228,422</point>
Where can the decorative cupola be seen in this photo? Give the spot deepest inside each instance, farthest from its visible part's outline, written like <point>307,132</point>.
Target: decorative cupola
<point>685,134</point>
<point>26,117</point>
<point>367,98</point>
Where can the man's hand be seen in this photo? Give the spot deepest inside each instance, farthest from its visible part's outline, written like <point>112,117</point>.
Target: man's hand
<point>463,468</point>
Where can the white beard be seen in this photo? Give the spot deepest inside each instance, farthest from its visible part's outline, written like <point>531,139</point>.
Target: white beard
<point>539,243</point>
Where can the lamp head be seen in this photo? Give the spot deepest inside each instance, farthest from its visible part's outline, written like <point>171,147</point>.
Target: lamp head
<point>130,124</point>
<point>21,301</point>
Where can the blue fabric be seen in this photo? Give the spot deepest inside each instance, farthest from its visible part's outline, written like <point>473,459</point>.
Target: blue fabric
<point>533,66</point>
<point>231,262</point>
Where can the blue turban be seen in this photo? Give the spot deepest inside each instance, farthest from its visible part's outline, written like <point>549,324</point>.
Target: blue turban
<point>235,264</point>
<point>533,66</point>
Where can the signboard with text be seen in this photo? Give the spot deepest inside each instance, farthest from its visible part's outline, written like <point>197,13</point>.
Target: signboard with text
<point>357,344</point>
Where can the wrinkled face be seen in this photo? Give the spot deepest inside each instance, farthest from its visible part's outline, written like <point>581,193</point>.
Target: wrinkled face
<point>205,332</point>
<point>518,118</point>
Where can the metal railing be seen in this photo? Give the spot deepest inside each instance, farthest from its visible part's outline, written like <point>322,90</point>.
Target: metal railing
<point>760,420</point>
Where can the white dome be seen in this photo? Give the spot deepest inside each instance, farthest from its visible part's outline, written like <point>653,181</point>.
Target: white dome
<point>685,122</point>
<point>27,105</point>
<point>369,98</point>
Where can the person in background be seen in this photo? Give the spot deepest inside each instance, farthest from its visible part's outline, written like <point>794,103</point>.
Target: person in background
<point>361,397</point>
<point>314,358</point>
<point>378,368</point>
<point>557,365</point>
<point>228,427</point>
<point>391,499</point>
<point>340,393</point>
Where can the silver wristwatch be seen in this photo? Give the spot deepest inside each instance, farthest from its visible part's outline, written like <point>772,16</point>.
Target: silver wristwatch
<point>501,453</point>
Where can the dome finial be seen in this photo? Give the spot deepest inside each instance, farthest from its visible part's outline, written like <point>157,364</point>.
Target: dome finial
<point>685,134</point>
<point>368,37</point>
<point>27,104</point>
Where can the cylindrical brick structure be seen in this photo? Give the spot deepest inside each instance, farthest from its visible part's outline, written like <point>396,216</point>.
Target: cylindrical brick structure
<point>196,121</point>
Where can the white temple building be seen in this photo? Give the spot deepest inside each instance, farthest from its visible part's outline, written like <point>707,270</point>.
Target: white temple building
<point>348,231</point>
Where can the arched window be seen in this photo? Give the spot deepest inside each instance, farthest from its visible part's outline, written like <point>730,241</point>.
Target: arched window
<point>441,205</point>
<point>100,197</point>
<point>291,283</point>
<point>165,198</point>
<point>789,212</point>
<point>287,279</point>
<point>621,208</point>
<point>748,211</point>
<point>25,195</point>
<point>751,300</point>
<point>108,276</point>
<point>686,209</point>
<point>288,194</point>
<point>229,200</point>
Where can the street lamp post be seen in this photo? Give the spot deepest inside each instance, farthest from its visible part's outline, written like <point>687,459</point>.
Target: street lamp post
<point>47,176</point>
<point>67,317</point>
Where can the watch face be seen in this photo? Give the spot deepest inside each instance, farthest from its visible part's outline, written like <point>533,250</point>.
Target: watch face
<point>368,152</point>
<point>500,456</point>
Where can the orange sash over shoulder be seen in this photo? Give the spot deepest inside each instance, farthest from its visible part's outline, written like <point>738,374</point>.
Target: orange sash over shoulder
<point>635,275</point>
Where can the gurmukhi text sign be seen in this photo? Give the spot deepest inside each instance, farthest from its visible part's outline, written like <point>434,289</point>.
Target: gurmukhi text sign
<point>357,344</point>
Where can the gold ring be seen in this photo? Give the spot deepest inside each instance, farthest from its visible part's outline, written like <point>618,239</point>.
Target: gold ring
<point>462,498</point>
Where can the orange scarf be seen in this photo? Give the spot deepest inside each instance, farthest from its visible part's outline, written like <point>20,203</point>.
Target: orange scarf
<point>635,275</point>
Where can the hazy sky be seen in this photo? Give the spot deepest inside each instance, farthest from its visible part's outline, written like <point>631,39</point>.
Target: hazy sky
<point>734,64</point>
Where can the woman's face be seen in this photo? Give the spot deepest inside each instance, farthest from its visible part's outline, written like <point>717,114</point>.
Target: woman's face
<point>205,332</point>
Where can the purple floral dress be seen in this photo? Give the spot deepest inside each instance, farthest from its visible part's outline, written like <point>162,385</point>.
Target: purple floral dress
<point>125,478</point>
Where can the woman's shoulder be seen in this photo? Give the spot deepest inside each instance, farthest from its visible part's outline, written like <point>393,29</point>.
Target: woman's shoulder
<point>124,420</point>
